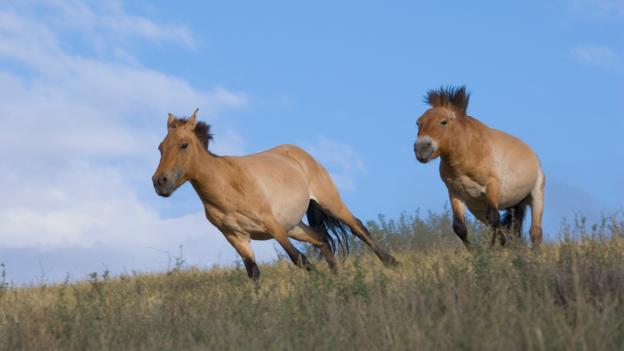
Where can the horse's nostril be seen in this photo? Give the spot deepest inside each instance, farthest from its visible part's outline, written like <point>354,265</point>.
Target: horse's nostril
<point>422,145</point>
<point>160,181</point>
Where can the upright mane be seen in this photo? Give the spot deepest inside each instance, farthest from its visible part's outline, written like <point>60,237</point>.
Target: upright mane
<point>202,131</point>
<point>452,97</point>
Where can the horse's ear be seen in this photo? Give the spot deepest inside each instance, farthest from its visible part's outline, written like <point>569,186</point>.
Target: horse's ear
<point>170,119</point>
<point>193,119</point>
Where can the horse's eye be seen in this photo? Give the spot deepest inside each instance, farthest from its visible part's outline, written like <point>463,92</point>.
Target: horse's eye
<point>183,146</point>
<point>444,122</point>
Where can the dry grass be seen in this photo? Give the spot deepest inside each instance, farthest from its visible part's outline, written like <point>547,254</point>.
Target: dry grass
<point>564,296</point>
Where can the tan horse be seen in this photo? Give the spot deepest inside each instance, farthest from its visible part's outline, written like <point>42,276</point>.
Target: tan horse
<point>260,196</point>
<point>484,169</point>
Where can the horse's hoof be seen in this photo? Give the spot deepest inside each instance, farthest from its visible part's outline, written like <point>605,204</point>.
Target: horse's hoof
<point>390,261</point>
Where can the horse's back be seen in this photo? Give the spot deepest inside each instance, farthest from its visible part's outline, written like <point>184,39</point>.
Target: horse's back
<point>279,156</point>
<point>293,161</point>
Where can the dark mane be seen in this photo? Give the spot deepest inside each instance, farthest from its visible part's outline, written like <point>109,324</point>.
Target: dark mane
<point>452,97</point>
<point>202,131</point>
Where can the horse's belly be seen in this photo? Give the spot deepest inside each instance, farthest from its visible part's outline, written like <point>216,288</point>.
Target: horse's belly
<point>286,190</point>
<point>515,187</point>
<point>518,170</point>
<point>512,192</point>
<point>291,210</point>
<point>466,188</point>
<point>511,200</point>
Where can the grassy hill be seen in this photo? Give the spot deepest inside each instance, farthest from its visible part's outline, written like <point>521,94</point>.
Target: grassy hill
<point>567,295</point>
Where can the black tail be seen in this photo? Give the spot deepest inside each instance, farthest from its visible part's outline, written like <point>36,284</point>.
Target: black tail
<point>336,232</point>
<point>513,218</point>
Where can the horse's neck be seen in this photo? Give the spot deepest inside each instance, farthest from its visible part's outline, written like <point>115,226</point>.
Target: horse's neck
<point>467,148</point>
<point>208,177</point>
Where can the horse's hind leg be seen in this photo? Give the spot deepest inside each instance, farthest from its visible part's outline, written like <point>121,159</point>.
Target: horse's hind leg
<point>537,210</point>
<point>338,210</point>
<point>304,233</point>
<point>361,232</point>
<point>279,234</point>
<point>326,195</point>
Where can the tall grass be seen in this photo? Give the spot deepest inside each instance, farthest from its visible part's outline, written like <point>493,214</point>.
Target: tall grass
<point>567,295</point>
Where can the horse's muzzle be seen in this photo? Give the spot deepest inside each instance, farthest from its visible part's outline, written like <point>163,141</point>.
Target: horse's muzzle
<point>424,148</point>
<point>163,185</point>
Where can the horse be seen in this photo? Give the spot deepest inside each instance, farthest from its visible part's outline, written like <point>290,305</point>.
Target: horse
<point>260,196</point>
<point>484,169</point>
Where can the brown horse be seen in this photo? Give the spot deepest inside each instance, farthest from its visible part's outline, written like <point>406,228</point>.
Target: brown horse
<point>484,169</point>
<point>260,196</point>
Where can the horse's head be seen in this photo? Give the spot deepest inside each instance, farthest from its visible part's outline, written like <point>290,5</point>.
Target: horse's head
<point>438,124</point>
<point>433,133</point>
<point>185,139</point>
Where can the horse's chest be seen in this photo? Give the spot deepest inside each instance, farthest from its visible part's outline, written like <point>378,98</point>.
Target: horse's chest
<point>236,224</point>
<point>214,215</point>
<point>465,186</point>
<point>240,223</point>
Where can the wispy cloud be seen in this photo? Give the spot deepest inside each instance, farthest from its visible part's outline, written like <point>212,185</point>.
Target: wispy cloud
<point>341,160</point>
<point>599,56</point>
<point>105,25</point>
<point>80,130</point>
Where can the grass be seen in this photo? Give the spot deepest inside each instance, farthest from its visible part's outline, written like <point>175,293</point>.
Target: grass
<point>567,295</point>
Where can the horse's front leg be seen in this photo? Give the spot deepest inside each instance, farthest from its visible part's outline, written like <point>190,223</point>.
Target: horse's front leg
<point>459,219</point>
<point>242,244</point>
<point>492,194</point>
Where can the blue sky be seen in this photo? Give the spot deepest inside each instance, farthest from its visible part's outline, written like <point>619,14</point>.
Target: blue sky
<point>86,87</point>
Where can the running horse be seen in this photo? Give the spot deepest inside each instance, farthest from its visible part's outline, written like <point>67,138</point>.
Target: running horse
<point>484,169</point>
<point>260,196</point>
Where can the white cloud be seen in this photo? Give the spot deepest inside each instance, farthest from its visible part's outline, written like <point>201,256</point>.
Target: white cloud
<point>599,56</point>
<point>106,25</point>
<point>80,130</point>
<point>341,160</point>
